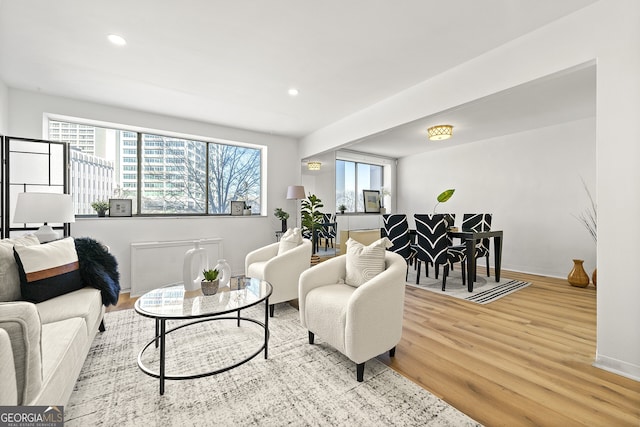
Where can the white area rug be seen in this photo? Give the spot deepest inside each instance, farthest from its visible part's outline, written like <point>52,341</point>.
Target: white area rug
<point>485,289</point>
<point>298,385</point>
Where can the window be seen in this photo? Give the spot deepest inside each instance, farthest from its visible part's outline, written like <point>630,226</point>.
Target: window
<point>176,175</point>
<point>352,178</point>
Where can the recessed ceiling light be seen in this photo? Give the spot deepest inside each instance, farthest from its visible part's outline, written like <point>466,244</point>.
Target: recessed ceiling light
<point>117,40</point>
<point>293,92</point>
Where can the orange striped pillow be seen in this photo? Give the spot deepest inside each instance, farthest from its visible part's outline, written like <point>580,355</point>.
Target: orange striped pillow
<point>48,270</point>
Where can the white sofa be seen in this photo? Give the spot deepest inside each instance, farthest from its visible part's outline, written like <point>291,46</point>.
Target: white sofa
<point>43,346</point>
<point>360,322</point>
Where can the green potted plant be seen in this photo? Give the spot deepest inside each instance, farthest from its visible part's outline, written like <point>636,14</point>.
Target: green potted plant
<point>282,216</point>
<point>342,208</point>
<point>210,283</point>
<point>100,206</point>
<point>311,216</point>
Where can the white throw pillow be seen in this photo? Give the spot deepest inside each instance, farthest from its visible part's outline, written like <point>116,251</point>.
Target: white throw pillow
<point>9,278</point>
<point>365,262</point>
<point>292,238</point>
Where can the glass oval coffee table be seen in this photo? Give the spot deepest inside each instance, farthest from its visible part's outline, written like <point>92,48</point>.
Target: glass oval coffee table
<point>174,303</point>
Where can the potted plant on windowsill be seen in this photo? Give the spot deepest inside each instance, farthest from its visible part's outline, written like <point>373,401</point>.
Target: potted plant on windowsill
<point>101,207</point>
<point>210,283</point>
<point>342,208</point>
<point>282,216</point>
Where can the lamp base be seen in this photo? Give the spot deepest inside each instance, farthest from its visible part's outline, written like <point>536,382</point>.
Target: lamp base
<point>46,234</point>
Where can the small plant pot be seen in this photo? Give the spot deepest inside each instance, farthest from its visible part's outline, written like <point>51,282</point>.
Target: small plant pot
<point>101,214</point>
<point>209,287</point>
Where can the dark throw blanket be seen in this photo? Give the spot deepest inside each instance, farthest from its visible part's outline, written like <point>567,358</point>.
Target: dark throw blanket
<point>99,269</point>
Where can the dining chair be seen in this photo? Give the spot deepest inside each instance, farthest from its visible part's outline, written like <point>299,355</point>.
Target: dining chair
<point>479,222</point>
<point>396,228</point>
<point>328,230</point>
<point>433,246</point>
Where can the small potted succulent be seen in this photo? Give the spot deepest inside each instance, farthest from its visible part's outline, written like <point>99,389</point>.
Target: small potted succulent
<point>282,216</point>
<point>342,208</point>
<point>210,283</point>
<point>247,209</point>
<point>100,206</point>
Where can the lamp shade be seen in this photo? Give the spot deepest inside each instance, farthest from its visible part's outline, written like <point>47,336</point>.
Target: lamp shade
<point>295,192</point>
<point>43,207</point>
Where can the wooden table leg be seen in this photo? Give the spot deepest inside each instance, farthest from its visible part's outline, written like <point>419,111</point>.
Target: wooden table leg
<point>497,247</point>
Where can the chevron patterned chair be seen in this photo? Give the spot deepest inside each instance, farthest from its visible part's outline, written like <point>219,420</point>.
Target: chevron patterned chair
<point>479,222</point>
<point>396,228</point>
<point>433,246</point>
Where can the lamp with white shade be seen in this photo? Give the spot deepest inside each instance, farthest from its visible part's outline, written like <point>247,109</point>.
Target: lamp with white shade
<point>44,208</point>
<point>295,192</point>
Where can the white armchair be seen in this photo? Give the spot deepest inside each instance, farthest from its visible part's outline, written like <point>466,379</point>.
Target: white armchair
<point>282,271</point>
<point>361,322</point>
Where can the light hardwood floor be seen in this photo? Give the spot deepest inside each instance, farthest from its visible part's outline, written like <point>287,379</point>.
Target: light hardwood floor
<point>524,360</point>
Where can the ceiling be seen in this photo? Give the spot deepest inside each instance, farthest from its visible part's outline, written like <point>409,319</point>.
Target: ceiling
<point>232,62</point>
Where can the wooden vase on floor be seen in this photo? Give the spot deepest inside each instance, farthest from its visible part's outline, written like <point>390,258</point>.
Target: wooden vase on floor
<point>578,277</point>
<point>594,278</point>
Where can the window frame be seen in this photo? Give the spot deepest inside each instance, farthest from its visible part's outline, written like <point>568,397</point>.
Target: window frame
<point>139,131</point>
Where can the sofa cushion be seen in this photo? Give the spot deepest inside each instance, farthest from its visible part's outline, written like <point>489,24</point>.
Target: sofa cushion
<point>84,303</point>
<point>9,389</point>
<point>364,262</point>
<point>64,348</point>
<point>48,270</point>
<point>9,277</point>
<point>292,238</point>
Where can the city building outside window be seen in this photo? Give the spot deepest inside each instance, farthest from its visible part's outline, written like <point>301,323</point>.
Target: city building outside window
<point>176,175</point>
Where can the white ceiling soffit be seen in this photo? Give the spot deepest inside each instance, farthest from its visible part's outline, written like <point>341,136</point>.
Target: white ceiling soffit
<point>232,62</point>
<point>560,98</point>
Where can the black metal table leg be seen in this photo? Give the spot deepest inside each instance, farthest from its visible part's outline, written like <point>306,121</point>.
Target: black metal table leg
<point>266,326</point>
<point>162,353</point>
<point>157,331</point>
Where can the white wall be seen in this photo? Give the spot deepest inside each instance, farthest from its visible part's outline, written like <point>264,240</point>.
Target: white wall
<point>240,234</point>
<point>4,108</point>
<point>529,181</point>
<point>607,32</point>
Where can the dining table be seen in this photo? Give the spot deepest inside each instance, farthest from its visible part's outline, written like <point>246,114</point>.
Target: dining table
<point>470,238</point>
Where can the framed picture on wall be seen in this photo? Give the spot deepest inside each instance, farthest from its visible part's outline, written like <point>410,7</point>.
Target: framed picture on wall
<point>371,201</point>
<point>120,207</point>
<point>237,207</point>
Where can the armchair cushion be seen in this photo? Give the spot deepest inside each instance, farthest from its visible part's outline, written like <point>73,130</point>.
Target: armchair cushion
<point>48,270</point>
<point>290,239</point>
<point>9,277</point>
<point>365,262</point>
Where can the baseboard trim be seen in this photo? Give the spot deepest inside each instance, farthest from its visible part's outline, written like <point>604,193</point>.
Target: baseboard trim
<point>619,367</point>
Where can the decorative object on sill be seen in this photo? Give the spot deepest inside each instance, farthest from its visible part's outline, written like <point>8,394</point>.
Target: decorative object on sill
<point>314,166</point>
<point>120,207</point>
<point>224,269</point>
<point>443,197</point>
<point>237,207</point>
<point>210,283</point>
<point>44,208</point>
<point>383,211</point>
<point>578,277</point>
<point>371,200</point>
<point>440,132</point>
<point>282,216</point>
<point>101,207</point>
<point>247,210</point>
<point>589,218</point>
<point>342,208</point>
<point>195,261</point>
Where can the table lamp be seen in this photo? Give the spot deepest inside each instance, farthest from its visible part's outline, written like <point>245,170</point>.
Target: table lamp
<point>45,208</point>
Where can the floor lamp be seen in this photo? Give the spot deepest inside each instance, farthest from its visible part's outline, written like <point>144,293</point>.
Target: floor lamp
<point>295,192</point>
